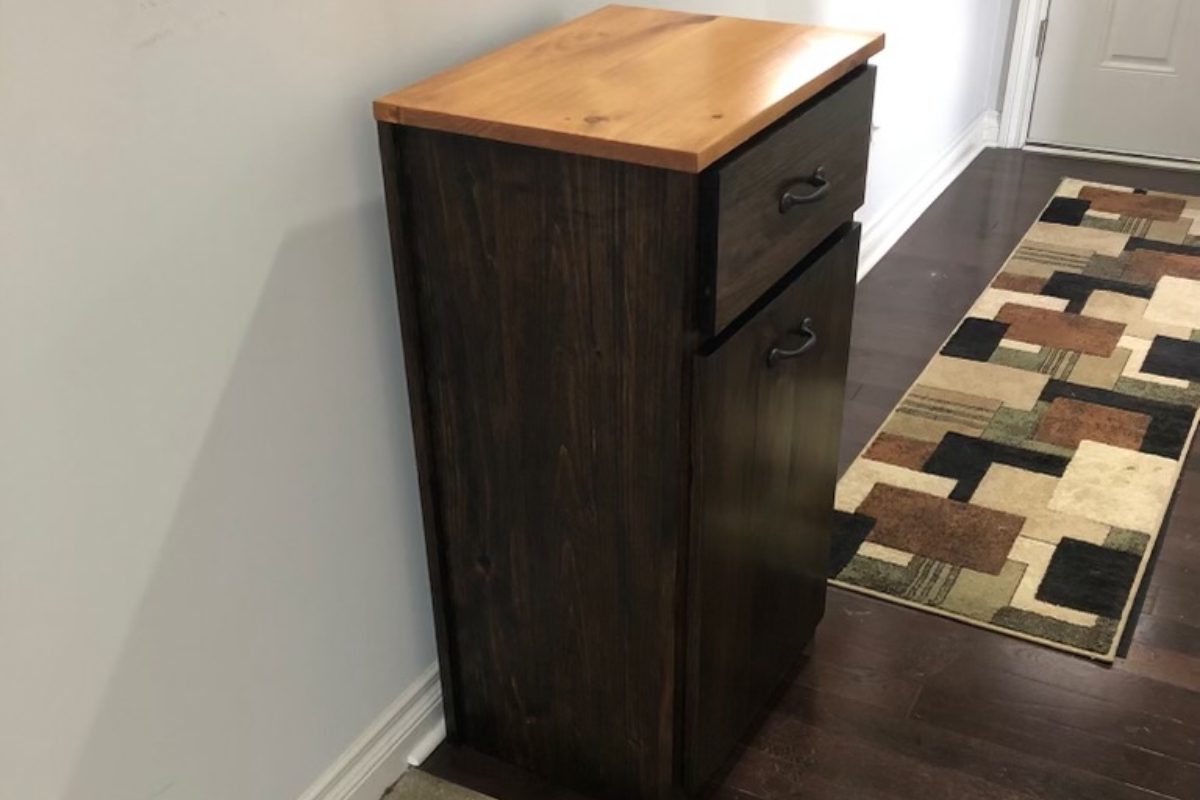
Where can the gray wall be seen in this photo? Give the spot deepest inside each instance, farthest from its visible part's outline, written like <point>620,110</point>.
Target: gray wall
<point>211,573</point>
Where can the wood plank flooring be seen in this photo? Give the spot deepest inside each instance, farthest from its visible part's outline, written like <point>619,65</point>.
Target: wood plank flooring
<point>896,703</point>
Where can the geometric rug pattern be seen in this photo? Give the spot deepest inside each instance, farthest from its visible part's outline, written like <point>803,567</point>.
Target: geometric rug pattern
<point>1021,482</point>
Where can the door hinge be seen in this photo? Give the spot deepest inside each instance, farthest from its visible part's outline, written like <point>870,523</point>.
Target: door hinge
<point>1041,44</point>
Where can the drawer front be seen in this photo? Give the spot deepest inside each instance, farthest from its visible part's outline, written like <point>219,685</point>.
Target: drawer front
<point>766,424</point>
<point>784,194</point>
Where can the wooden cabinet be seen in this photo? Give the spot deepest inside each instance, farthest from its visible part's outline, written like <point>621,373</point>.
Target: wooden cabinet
<point>782,196</point>
<point>625,281</point>
<point>768,410</point>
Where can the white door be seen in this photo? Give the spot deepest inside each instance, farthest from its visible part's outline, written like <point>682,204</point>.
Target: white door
<point>1120,76</point>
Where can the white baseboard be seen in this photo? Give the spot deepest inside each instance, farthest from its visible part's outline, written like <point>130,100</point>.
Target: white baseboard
<point>882,231</point>
<point>990,128</point>
<point>404,734</point>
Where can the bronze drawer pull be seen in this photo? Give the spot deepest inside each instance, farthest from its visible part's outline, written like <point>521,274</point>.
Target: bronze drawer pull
<point>778,353</point>
<point>820,187</point>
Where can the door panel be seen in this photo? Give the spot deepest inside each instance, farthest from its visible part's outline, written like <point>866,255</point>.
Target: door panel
<point>1121,76</point>
<point>765,463</point>
<point>1143,36</point>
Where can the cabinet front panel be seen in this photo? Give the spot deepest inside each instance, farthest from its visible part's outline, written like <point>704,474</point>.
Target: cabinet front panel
<point>787,191</point>
<point>768,414</point>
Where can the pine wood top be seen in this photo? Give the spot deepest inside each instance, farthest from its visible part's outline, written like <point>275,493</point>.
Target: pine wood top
<point>662,88</point>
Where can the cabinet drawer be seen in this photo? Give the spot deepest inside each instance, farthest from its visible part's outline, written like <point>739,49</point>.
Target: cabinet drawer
<point>767,418</point>
<point>785,192</point>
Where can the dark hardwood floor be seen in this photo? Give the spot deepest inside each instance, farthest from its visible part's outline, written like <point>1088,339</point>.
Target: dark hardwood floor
<point>896,703</point>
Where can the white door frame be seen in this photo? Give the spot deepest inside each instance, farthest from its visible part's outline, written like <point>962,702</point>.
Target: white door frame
<point>1022,73</point>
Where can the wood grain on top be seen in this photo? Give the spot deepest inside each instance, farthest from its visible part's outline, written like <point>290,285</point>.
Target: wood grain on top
<point>661,88</point>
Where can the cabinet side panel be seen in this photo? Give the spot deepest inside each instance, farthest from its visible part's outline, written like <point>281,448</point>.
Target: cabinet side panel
<point>391,143</point>
<point>553,297</point>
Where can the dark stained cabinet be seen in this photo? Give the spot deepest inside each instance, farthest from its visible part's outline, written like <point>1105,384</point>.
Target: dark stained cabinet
<point>768,409</point>
<point>551,327</point>
<point>818,159</point>
<point>625,288</point>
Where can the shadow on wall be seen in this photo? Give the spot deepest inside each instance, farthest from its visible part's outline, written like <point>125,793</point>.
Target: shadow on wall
<point>302,451</point>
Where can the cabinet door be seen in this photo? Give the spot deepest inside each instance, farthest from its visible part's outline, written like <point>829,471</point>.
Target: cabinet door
<point>768,411</point>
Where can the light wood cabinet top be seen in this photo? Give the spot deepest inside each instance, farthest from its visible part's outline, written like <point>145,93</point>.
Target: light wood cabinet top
<point>648,86</point>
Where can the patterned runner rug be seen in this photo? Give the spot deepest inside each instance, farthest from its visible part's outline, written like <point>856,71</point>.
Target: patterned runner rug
<point>1021,482</point>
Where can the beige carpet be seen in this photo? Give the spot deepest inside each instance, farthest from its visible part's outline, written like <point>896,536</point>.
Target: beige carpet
<point>417,785</point>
